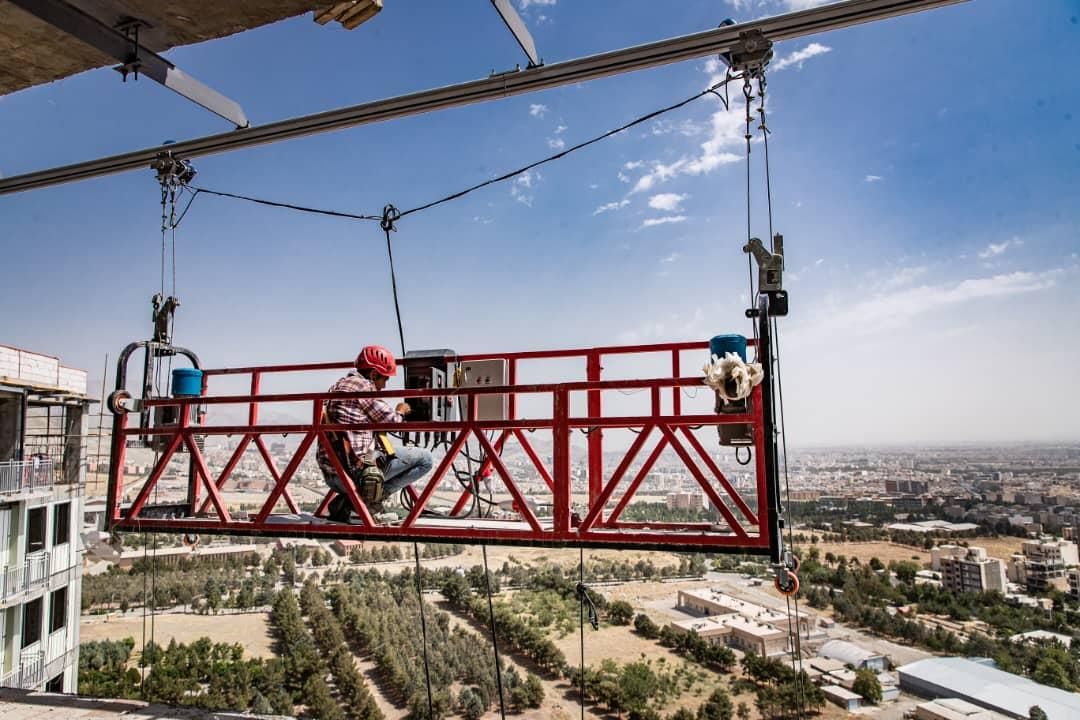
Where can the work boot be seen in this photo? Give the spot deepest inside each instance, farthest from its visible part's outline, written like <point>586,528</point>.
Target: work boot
<point>340,509</point>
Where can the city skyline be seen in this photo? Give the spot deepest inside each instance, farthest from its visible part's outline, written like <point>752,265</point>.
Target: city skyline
<point>930,235</point>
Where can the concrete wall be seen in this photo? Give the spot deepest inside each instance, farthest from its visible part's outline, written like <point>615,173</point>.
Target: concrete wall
<point>37,369</point>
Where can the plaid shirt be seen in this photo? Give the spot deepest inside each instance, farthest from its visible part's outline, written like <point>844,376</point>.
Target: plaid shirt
<point>357,410</point>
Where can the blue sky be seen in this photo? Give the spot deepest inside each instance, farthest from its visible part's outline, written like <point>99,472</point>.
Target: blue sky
<point>924,174</point>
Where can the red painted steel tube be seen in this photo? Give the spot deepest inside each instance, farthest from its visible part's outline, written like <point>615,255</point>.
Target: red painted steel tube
<point>596,435</point>
<point>560,450</point>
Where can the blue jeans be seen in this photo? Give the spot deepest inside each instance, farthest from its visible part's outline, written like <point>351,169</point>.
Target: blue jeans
<point>409,465</point>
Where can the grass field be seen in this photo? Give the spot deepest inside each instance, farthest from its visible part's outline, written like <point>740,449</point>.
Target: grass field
<point>250,630</point>
<point>999,547</point>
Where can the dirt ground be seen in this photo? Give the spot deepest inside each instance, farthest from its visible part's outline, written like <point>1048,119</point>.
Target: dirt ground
<point>999,547</point>
<point>250,629</point>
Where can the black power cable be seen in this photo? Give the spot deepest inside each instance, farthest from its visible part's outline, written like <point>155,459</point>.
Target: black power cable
<point>712,90</point>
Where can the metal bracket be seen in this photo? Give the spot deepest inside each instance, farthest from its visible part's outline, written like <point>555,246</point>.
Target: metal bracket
<point>750,54</point>
<point>770,272</point>
<point>129,26</point>
<point>171,170</point>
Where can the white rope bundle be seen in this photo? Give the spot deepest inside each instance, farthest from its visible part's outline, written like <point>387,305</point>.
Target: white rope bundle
<point>731,377</point>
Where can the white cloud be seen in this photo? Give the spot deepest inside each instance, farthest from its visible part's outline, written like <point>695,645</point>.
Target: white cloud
<point>798,57</point>
<point>594,186</point>
<point>651,222</point>
<point>671,258</point>
<point>666,201</point>
<point>712,66</point>
<point>903,277</point>
<point>633,165</point>
<point>726,134</point>
<point>521,188</point>
<point>995,249</point>
<point>560,129</point>
<point>524,4</point>
<point>873,178</point>
<point>889,310</point>
<point>556,143</point>
<point>537,109</point>
<point>623,177</point>
<point>794,5</point>
<point>616,205</point>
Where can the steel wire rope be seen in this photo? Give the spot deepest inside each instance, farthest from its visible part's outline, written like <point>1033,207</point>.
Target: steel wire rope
<point>423,628</point>
<point>711,90</point>
<point>494,637</point>
<point>779,401</point>
<point>584,600</point>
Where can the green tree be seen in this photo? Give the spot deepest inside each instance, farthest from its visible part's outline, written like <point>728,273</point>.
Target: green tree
<point>743,710</point>
<point>644,625</point>
<point>1036,713</point>
<point>681,714</point>
<point>867,685</point>
<point>470,705</point>
<point>620,612</point>
<point>637,683</point>
<point>717,707</point>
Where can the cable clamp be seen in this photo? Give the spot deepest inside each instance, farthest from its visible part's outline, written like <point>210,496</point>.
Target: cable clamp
<point>583,596</point>
<point>390,215</point>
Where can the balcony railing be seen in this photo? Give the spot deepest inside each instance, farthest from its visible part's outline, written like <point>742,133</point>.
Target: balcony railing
<point>57,645</point>
<point>30,672</point>
<point>20,476</point>
<point>27,576</point>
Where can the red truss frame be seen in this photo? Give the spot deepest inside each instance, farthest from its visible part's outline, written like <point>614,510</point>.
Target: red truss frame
<point>745,525</point>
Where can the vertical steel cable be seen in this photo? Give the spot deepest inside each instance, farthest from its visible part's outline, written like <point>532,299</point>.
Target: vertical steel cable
<point>423,630</point>
<point>494,637</point>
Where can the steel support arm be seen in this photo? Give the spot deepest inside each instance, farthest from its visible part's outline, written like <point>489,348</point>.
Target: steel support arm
<point>663,52</point>
<point>126,50</point>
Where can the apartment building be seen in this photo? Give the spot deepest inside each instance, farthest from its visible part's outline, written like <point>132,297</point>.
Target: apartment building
<point>42,463</point>
<point>1044,563</point>
<point>972,571</point>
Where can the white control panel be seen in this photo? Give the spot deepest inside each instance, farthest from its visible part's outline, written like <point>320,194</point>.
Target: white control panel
<point>485,373</point>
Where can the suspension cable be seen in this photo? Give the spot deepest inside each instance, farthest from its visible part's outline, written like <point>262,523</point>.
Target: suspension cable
<point>423,629</point>
<point>581,622</point>
<point>711,90</point>
<point>494,637</point>
<point>391,216</point>
<point>796,640</point>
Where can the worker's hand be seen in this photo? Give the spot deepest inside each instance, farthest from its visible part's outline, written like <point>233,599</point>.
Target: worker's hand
<point>403,409</point>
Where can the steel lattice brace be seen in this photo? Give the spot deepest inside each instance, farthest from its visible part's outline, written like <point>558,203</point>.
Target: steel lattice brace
<point>663,52</point>
<point>743,524</point>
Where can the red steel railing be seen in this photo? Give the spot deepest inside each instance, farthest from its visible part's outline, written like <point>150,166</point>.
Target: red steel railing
<point>598,523</point>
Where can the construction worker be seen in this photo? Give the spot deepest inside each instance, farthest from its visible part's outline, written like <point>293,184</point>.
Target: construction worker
<point>375,473</point>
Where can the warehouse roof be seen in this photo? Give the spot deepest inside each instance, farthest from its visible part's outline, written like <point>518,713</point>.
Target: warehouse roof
<point>988,687</point>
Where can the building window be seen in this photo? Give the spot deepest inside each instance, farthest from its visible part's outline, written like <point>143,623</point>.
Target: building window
<point>56,685</point>
<point>61,523</point>
<point>31,626</point>
<point>35,530</point>
<point>58,610</point>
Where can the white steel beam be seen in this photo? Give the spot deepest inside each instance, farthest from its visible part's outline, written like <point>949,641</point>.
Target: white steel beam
<point>135,58</point>
<point>663,52</point>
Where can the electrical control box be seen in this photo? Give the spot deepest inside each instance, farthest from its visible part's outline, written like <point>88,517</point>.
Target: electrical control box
<point>485,373</point>
<point>427,369</point>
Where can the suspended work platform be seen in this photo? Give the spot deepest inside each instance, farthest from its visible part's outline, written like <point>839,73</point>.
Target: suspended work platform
<point>536,463</point>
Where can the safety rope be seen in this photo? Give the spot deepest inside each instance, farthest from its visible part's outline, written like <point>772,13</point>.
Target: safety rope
<point>423,629</point>
<point>794,638</point>
<point>584,600</point>
<point>494,637</point>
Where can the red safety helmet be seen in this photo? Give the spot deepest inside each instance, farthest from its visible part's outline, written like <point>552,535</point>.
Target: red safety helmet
<point>377,358</point>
